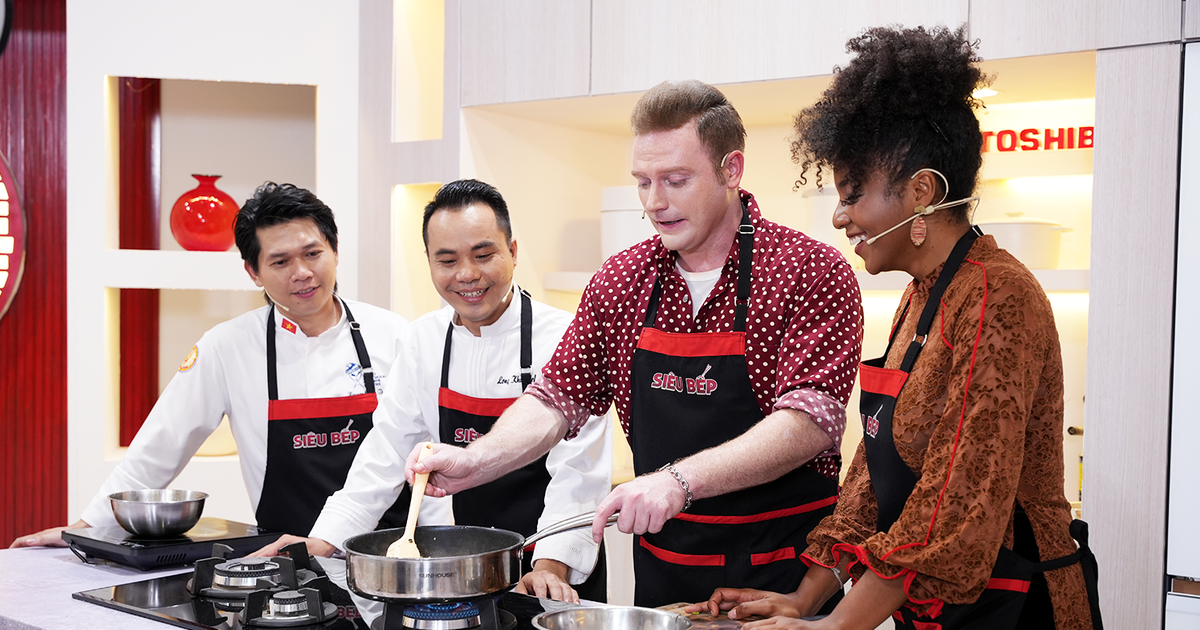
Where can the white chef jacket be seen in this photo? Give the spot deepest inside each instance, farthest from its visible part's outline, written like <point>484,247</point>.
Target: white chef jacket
<point>487,366</point>
<point>229,377</point>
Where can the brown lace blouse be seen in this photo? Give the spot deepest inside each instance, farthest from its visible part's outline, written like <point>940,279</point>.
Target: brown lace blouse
<point>980,422</point>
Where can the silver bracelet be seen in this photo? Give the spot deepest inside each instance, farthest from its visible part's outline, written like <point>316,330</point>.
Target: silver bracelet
<point>682,482</point>
<point>837,573</point>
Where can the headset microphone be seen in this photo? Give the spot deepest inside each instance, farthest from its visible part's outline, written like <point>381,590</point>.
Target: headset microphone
<point>276,302</point>
<point>921,211</point>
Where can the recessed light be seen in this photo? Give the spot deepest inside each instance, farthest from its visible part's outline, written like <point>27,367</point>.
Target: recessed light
<point>984,93</point>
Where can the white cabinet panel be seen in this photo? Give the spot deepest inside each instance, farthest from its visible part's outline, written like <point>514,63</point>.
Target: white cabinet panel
<point>1191,20</point>
<point>523,50</point>
<point>1022,28</point>
<point>1183,554</point>
<point>637,44</point>
<point>1183,612</point>
<point>1129,326</point>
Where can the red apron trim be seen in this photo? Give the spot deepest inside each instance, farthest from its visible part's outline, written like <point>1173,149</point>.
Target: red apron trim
<point>488,407</point>
<point>756,518</point>
<point>305,408</point>
<point>880,380</point>
<point>692,344</point>
<point>682,558</point>
<point>787,553</point>
<point>1007,584</point>
<point>926,625</point>
<point>958,432</point>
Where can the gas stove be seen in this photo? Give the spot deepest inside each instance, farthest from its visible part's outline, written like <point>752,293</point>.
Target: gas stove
<point>117,545</point>
<point>230,593</point>
<point>482,613</point>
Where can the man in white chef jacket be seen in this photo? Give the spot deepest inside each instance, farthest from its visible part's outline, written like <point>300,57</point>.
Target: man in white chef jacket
<point>472,255</point>
<point>288,240</point>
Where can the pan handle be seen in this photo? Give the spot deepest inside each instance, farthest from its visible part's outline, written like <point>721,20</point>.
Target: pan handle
<point>575,522</point>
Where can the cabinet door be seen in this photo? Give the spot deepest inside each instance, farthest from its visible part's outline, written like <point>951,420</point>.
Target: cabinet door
<point>637,44</point>
<point>1183,512</point>
<point>524,50</point>
<point>1023,28</point>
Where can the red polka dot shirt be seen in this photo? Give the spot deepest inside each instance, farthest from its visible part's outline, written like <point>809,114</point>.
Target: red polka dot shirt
<point>803,329</point>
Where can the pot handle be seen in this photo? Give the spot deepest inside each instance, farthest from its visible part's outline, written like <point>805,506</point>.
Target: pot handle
<point>566,525</point>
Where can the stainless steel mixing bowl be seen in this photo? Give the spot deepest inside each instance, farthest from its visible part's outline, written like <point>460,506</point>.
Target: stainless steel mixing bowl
<point>611,618</point>
<point>157,513</point>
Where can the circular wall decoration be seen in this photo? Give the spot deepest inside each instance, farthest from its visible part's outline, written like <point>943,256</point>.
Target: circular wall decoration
<point>12,237</point>
<point>5,23</point>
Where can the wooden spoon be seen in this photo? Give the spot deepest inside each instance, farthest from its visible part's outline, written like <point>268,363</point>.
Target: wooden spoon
<point>406,546</point>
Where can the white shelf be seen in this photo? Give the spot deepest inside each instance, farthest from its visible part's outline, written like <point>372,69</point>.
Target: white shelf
<point>1052,280</point>
<point>153,269</point>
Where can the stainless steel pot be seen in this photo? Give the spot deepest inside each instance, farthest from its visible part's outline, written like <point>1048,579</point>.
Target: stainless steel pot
<point>611,618</point>
<point>157,513</point>
<point>459,561</point>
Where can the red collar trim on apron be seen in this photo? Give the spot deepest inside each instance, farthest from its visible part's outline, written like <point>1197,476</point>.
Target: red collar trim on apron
<point>489,407</point>
<point>302,408</point>
<point>692,344</point>
<point>716,560</point>
<point>881,381</point>
<point>757,518</point>
<point>1008,584</point>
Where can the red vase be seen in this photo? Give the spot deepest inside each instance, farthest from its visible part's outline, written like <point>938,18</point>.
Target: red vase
<point>202,218</point>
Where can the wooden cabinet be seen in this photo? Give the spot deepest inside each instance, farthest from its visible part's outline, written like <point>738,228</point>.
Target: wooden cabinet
<point>1023,28</point>
<point>637,44</point>
<point>523,50</point>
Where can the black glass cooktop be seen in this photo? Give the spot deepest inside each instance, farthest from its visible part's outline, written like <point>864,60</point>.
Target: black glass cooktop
<point>167,599</point>
<point>118,545</point>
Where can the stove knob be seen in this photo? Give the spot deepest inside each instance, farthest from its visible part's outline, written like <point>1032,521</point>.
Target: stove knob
<point>288,604</point>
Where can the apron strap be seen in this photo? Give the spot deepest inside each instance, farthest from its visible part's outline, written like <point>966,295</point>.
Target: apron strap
<point>526,344</point>
<point>360,348</point>
<point>953,262</point>
<point>745,237</point>
<point>526,340</point>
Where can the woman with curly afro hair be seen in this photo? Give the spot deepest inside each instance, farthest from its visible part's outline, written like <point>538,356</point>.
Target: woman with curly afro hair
<point>952,514</point>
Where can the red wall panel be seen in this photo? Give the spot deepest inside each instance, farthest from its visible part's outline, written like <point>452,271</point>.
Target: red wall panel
<point>33,364</point>
<point>138,106</point>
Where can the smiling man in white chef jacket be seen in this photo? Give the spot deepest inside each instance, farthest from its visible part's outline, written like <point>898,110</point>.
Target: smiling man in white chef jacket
<point>460,367</point>
<point>265,369</point>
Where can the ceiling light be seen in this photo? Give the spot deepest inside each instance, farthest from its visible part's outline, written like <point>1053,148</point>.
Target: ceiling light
<point>984,93</point>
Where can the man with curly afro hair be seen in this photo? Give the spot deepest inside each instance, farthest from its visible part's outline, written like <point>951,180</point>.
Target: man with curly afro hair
<point>952,514</point>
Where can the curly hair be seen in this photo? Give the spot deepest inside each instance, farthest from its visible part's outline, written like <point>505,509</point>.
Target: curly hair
<point>903,103</point>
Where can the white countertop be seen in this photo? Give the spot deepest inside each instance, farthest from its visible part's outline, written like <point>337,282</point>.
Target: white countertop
<point>36,586</point>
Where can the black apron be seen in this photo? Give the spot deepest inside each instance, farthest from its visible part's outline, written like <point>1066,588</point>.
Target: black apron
<point>516,500</point>
<point>1016,594</point>
<point>690,392</point>
<point>311,443</point>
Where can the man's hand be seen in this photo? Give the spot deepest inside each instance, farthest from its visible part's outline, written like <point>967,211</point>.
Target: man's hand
<point>451,469</point>
<point>744,602</point>
<point>316,547</point>
<point>645,504</point>
<point>51,537</point>
<point>548,579</point>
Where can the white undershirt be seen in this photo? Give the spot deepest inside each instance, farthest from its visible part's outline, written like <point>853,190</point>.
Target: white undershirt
<point>700,284</point>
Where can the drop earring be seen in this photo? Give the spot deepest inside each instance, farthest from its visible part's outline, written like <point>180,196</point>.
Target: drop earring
<point>918,230</point>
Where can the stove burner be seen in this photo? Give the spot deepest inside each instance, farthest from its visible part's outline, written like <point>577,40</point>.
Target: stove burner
<point>245,572</point>
<point>287,604</point>
<point>282,609</point>
<point>442,616</point>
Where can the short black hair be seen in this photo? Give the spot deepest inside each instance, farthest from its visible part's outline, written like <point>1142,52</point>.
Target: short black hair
<point>273,204</point>
<point>902,104</point>
<point>462,193</point>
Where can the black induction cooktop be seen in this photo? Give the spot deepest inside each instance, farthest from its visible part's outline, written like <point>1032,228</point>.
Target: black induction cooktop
<point>118,545</point>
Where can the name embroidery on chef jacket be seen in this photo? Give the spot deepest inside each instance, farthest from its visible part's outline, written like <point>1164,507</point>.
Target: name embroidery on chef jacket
<point>321,440</point>
<point>354,373</point>
<point>699,386</point>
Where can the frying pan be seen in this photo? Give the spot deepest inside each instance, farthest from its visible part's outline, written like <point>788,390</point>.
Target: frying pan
<point>460,561</point>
